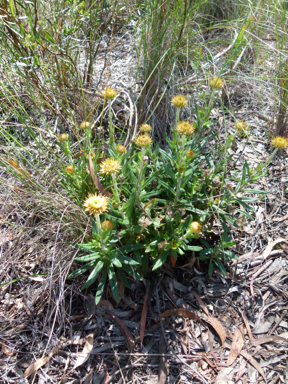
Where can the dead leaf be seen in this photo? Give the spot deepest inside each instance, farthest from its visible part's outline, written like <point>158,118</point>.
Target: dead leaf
<point>236,346</point>
<point>163,365</point>
<point>181,312</point>
<point>121,288</point>
<point>201,303</point>
<point>40,362</point>
<point>267,339</point>
<point>271,245</point>
<point>173,261</point>
<point>144,316</point>
<point>218,328</point>
<point>278,219</point>
<point>84,355</point>
<point>252,361</point>
<point>247,325</point>
<point>105,303</point>
<point>96,180</point>
<point>6,350</point>
<point>123,328</point>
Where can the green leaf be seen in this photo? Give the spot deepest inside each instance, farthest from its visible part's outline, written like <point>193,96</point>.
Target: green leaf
<point>210,269</point>
<point>207,251</point>
<point>193,248</point>
<point>101,285</point>
<point>161,260</point>
<point>230,255</point>
<point>129,206</point>
<point>126,260</point>
<point>86,247</point>
<point>94,274</point>
<point>245,214</point>
<point>92,256</point>
<point>123,278</point>
<point>117,262</point>
<point>81,270</point>
<point>220,266</point>
<point>130,248</point>
<point>132,272</point>
<point>113,283</point>
<point>256,191</point>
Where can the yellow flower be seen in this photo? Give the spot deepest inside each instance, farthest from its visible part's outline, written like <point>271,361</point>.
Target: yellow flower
<point>143,141</point>
<point>145,128</point>
<point>179,101</point>
<point>190,154</point>
<point>109,93</point>
<point>85,125</point>
<point>70,169</point>
<point>107,225</point>
<point>185,128</point>
<point>121,148</point>
<point>241,127</point>
<point>195,227</point>
<point>216,82</point>
<point>96,204</point>
<point>110,166</point>
<point>62,137</point>
<point>279,142</point>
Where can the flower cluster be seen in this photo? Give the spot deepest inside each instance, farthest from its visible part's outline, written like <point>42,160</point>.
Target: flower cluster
<point>143,141</point>
<point>110,166</point>
<point>109,93</point>
<point>279,142</point>
<point>179,101</point>
<point>185,128</point>
<point>145,128</point>
<point>241,127</point>
<point>216,83</point>
<point>96,204</point>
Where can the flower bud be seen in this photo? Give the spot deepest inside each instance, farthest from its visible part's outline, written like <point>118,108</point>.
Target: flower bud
<point>121,148</point>
<point>195,227</point>
<point>107,225</point>
<point>70,169</point>
<point>85,125</point>
<point>62,137</point>
<point>190,154</point>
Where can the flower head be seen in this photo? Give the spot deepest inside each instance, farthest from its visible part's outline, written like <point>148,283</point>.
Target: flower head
<point>145,128</point>
<point>241,127</point>
<point>143,141</point>
<point>85,125</point>
<point>179,101</point>
<point>121,148</point>
<point>279,142</point>
<point>216,82</point>
<point>109,93</point>
<point>107,225</point>
<point>110,166</point>
<point>185,128</point>
<point>70,169</point>
<point>195,227</point>
<point>190,154</point>
<point>96,204</point>
<point>62,137</point>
